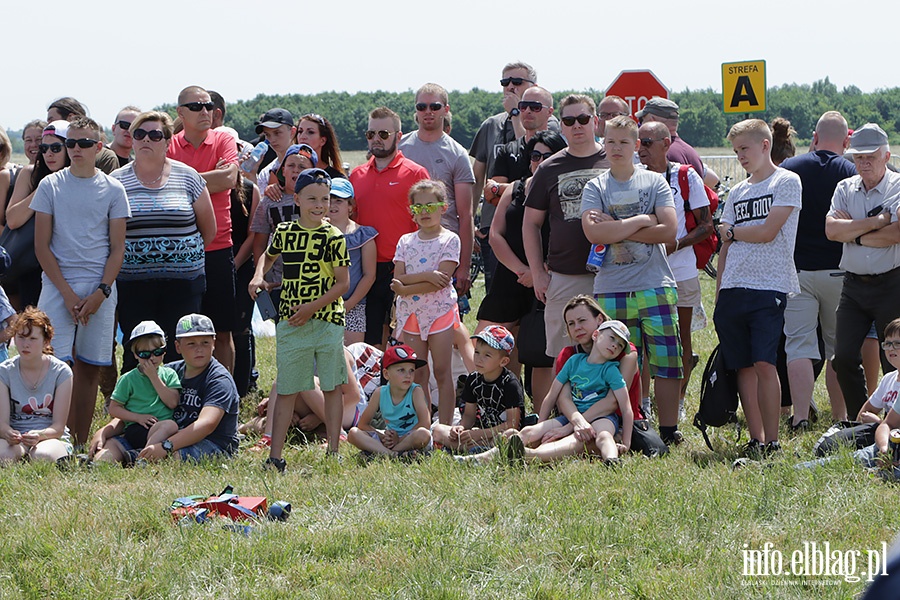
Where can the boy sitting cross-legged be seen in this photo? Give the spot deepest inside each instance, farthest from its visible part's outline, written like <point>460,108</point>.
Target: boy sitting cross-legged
<point>403,407</point>
<point>494,397</point>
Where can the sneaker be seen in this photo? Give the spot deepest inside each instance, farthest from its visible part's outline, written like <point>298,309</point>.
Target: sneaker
<point>675,439</point>
<point>264,443</point>
<point>771,449</point>
<point>278,464</point>
<point>611,462</point>
<point>752,449</point>
<point>801,426</point>
<point>515,450</point>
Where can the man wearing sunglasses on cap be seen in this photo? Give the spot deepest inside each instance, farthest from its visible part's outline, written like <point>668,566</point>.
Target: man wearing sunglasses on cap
<point>495,132</point>
<point>79,239</point>
<point>555,194</point>
<point>381,185</point>
<point>447,162</point>
<point>122,141</point>
<point>665,111</point>
<point>212,154</point>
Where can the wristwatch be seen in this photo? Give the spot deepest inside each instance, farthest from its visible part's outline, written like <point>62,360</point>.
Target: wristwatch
<point>105,289</point>
<point>729,233</point>
<point>514,112</point>
<point>167,446</point>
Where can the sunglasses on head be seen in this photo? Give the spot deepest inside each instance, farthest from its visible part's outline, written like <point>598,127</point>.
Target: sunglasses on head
<point>514,80</point>
<point>82,143</point>
<point>536,156</point>
<point>55,148</point>
<point>198,106</point>
<point>647,142</point>
<point>583,119</point>
<point>532,105</point>
<point>154,134</point>
<point>606,116</point>
<point>431,207</point>
<point>434,106</point>
<point>145,354</point>
<point>383,134</point>
<point>124,125</point>
<point>314,117</point>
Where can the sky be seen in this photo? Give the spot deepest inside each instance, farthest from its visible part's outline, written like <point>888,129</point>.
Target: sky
<point>111,54</point>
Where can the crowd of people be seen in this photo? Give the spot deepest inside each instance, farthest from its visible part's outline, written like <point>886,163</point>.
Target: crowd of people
<point>588,224</point>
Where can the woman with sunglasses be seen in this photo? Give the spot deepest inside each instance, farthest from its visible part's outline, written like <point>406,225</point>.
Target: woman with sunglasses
<point>52,157</point>
<point>315,131</point>
<point>511,296</point>
<point>172,219</point>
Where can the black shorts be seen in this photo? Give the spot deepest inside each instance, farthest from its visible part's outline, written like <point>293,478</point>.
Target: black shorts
<point>749,324</point>
<point>379,302</point>
<point>219,300</point>
<point>508,301</point>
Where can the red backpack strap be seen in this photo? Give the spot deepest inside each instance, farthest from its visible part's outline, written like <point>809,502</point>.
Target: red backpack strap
<point>685,186</point>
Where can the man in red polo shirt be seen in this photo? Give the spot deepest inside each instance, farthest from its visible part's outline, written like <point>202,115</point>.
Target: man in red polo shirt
<point>382,187</point>
<point>214,155</point>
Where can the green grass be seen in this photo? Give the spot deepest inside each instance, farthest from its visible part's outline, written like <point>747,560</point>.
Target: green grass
<point>663,528</point>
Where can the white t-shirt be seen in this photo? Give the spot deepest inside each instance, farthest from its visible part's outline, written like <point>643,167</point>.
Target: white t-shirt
<point>768,266</point>
<point>884,397</point>
<point>684,262</point>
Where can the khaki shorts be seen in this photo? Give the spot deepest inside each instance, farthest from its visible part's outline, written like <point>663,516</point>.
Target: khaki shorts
<point>688,293</point>
<point>561,289</point>
<point>91,343</point>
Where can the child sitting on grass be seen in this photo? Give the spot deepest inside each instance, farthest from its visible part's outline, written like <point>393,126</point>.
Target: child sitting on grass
<point>403,407</point>
<point>494,399</point>
<point>148,393</point>
<point>589,391</point>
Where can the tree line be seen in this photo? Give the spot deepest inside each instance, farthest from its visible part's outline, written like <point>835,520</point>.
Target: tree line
<point>703,122</point>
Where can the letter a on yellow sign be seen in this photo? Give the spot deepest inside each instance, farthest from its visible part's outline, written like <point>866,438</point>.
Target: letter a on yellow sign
<point>744,86</point>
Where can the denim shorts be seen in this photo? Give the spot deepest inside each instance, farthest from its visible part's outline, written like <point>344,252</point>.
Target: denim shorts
<point>613,418</point>
<point>196,452</point>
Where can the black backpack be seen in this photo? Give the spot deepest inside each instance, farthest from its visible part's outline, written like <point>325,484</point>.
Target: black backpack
<point>718,396</point>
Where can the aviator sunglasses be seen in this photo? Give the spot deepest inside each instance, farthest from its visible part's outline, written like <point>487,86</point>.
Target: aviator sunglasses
<point>383,134</point>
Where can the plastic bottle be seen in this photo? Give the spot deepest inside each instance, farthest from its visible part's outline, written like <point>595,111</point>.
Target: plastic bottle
<point>259,151</point>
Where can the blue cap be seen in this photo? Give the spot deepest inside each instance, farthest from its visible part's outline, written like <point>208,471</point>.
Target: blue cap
<point>342,188</point>
<point>311,176</point>
<point>305,150</point>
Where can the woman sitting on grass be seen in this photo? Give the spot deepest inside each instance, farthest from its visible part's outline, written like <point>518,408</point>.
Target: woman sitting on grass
<point>35,393</point>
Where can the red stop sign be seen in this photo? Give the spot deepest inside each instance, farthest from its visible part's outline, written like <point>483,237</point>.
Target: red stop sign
<point>636,87</point>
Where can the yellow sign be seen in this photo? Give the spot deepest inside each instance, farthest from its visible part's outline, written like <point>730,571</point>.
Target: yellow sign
<point>744,86</point>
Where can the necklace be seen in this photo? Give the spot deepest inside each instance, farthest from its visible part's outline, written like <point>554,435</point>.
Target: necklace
<point>149,183</point>
<point>32,387</point>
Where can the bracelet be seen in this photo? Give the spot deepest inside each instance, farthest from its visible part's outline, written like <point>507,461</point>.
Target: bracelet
<point>858,240</point>
<point>677,245</point>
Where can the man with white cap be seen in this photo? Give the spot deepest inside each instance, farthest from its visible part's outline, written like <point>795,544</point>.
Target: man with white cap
<point>863,216</point>
<point>665,111</point>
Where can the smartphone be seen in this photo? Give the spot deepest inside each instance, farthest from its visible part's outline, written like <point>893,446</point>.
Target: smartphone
<point>875,211</point>
<point>266,306</point>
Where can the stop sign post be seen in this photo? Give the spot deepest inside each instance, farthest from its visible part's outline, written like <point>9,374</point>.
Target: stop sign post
<point>636,87</point>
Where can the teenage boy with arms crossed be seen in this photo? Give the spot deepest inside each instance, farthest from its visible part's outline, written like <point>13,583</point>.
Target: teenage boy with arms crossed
<point>79,239</point>
<point>756,273</point>
<point>633,213</point>
<point>310,335</point>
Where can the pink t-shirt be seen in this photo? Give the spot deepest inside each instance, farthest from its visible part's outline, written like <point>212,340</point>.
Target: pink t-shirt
<point>217,145</point>
<point>423,256</point>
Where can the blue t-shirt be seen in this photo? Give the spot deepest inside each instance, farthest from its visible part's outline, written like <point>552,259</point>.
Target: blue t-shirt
<point>213,387</point>
<point>819,172</point>
<point>400,417</point>
<point>590,381</point>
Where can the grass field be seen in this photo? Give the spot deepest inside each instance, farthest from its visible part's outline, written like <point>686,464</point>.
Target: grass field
<point>677,527</point>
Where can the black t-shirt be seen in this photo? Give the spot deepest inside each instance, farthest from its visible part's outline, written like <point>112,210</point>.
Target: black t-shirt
<point>511,161</point>
<point>493,398</point>
<point>819,173</point>
<point>213,387</point>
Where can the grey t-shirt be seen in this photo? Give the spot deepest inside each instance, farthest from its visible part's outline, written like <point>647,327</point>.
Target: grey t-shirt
<point>81,209</point>
<point>32,409</point>
<point>630,266</point>
<point>445,161</point>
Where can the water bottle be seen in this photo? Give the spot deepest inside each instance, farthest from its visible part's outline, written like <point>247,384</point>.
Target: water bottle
<point>894,445</point>
<point>249,165</point>
<point>595,258</point>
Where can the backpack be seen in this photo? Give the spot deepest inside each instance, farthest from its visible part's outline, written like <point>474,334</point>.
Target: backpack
<point>705,248</point>
<point>718,396</point>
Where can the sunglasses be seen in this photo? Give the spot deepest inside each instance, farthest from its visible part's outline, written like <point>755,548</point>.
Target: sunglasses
<point>431,207</point>
<point>538,156</point>
<point>124,125</point>
<point>606,116</point>
<point>514,80</point>
<point>145,354</point>
<point>434,106</point>
<point>888,345</point>
<point>55,148</point>
<point>383,134</point>
<point>533,105</point>
<point>313,117</point>
<point>198,106</point>
<point>647,142</point>
<point>154,134</point>
<point>82,143</point>
<point>583,119</point>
